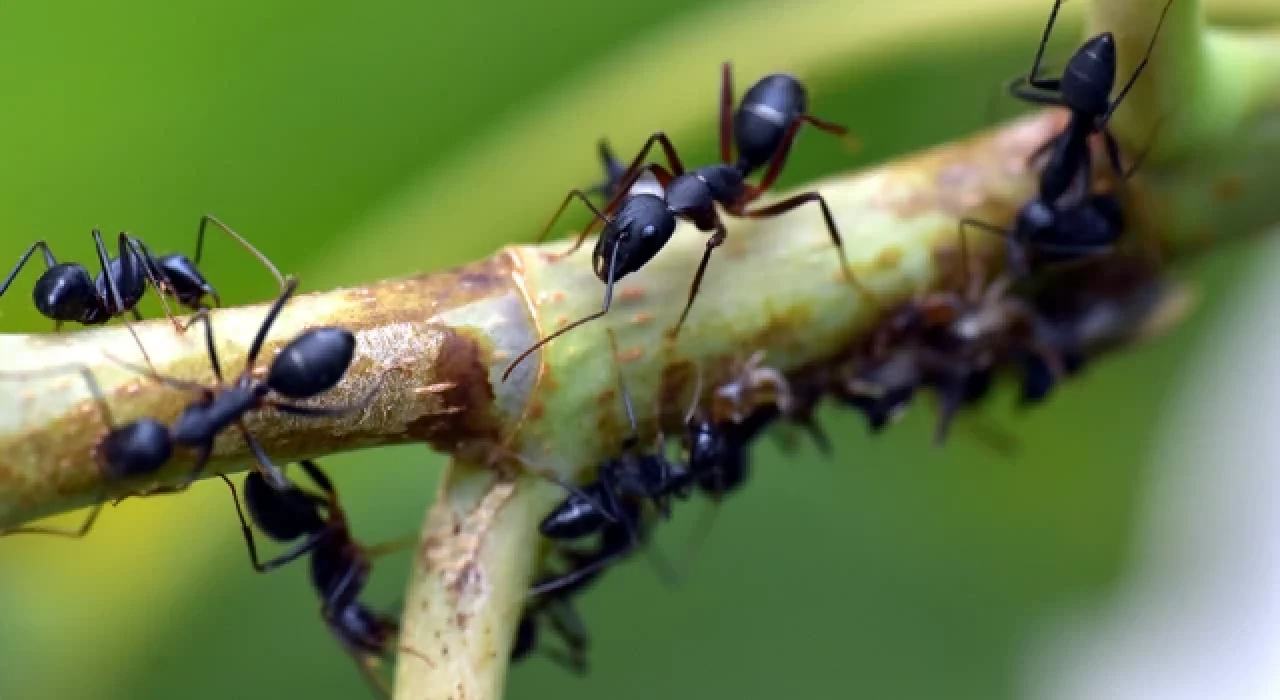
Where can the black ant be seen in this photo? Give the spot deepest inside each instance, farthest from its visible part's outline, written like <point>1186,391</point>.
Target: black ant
<point>637,225</point>
<point>612,504</point>
<point>309,365</point>
<point>1087,224</point>
<point>67,292</point>
<point>340,565</point>
<point>180,276</point>
<point>136,449</point>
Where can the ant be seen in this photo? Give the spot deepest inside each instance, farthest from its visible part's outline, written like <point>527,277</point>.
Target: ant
<point>611,506</point>
<point>180,276</point>
<point>340,565</point>
<point>638,225</point>
<point>136,449</point>
<point>309,365</point>
<point>67,292</point>
<point>953,342</point>
<point>1087,224</point>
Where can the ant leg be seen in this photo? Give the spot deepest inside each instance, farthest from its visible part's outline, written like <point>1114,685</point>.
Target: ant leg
<point>634,170</point>
<point>1016,248</point>
<point>1033,78</point>
<point>712,243</point>
<point>269,470</point>
<point>303,410</point>
<point>49,261</point>
<point>790,203</point>
<point>584,572</point>
<point>302,548</point>
<point>631,440</point>
<point>116,302</point>
<point>566,623</point>
<point>290,286</point>
<point>150,371</point>
<point>950,401</point>
<point>585,231</point>
<point>266,262</point>
<point>59,532</point>
<point>382,549</point>
<point>779,158</point>
<point>1042,94</point>
<point>604,309</point>
<point>726,113</point>
<point>1124,92</point>
<point>149,266</point>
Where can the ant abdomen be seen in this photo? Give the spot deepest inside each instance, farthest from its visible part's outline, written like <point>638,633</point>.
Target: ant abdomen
<point>59,292</point>
<point>766,112</point>
<point>283,514</point>
<point>1090,76</point>
<point>312,363</point>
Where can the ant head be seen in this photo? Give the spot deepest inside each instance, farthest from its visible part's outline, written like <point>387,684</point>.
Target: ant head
<point>1089,77</point>
<point>642,226</point>
<point>136,449</point>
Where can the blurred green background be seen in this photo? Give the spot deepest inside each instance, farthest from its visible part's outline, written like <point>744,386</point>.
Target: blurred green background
<point>318,129</point>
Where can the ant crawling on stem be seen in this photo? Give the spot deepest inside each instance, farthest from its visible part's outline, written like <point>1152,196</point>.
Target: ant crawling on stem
<point>66,291</point>
<point>309,365</point>
<point>1066,219</point>
<point>638,224</point>
<point>340,565</point>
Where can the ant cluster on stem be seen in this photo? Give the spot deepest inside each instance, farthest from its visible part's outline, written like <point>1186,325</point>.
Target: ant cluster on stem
<point>1070,291</point>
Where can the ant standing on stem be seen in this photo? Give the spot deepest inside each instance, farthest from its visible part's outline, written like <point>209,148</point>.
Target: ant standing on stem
<point>66,291</point>
<point>340,565</point>
<point>638,225</point>
<point>1066,219</point>
<point>309,365</point>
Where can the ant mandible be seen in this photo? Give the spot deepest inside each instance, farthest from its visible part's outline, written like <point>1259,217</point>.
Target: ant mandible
<point>638,224</point>
<point>136,449</point>
<point>340,565</point>
<point>309,365</point>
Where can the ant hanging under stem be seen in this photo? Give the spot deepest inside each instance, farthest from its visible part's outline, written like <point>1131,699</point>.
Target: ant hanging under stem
<point>1066,220</point>
<point>340,565</point>
<point>612,505</point>
<point>638,224</point>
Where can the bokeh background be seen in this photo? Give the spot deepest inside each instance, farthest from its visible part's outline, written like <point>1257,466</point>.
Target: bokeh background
<point>357,141</point>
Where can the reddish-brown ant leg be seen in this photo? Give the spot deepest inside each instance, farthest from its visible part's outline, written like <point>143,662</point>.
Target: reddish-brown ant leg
<point>712,243</point>
<point>790,203</point>
<point>784,150</point>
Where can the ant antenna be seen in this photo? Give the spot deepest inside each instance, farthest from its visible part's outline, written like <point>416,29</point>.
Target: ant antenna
<point>630,442</point>
<point>697,394</point>
<point>1155,36</point>
<point>604,309</point>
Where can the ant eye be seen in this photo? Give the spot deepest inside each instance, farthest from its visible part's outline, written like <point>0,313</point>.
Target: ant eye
<point>648,229</point>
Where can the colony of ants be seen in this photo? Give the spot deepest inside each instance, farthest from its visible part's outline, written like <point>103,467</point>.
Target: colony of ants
<point>1038,322</point>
